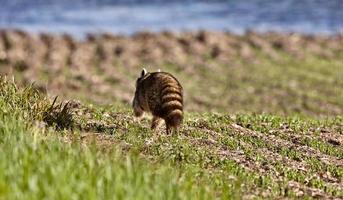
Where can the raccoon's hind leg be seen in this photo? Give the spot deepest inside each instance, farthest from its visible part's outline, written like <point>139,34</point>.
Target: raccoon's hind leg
<point>156,121</point>
<point>167,129</point>
<point>138,113</point>
<point>170,129</point>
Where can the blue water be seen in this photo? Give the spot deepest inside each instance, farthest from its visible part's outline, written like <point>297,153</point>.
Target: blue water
<point>78,17</point>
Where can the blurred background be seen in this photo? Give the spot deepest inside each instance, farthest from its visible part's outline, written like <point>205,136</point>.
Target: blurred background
<point>282,57</point>
<point>128,16</point>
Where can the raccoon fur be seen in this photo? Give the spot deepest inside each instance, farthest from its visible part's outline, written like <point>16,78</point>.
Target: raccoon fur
<point>160,94</point>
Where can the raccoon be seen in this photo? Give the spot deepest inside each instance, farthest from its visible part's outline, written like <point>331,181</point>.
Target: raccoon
<point>160,94</point>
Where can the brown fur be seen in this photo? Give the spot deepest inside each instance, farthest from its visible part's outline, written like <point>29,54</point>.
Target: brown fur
<point>160,94</point>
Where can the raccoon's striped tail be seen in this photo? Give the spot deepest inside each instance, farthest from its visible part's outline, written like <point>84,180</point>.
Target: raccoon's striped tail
<point>172,104</point>
<point>173,121</point>
<point>174,118</point>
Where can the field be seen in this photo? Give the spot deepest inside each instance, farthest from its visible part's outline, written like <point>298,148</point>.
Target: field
<point>263,117</point>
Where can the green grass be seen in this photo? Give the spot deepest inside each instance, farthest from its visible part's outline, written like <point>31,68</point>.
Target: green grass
<point>44,154</point>
<point>37,163</point>
<point>262,120</point>
<point>37,167</point>
<point>205,136</point>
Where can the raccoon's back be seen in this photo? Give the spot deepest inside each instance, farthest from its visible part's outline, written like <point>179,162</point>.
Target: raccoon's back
<point>166,96</point>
